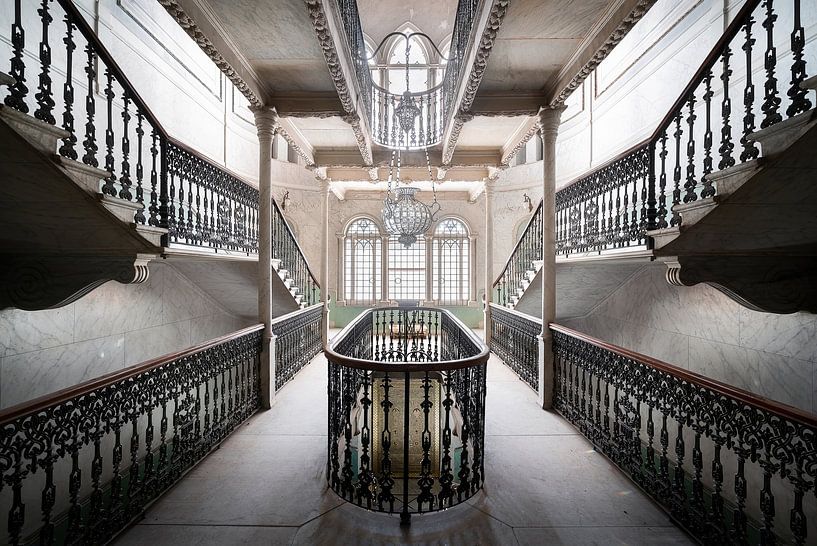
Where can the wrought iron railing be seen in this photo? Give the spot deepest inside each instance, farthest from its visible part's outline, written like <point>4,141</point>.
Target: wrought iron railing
<point>79,465</point>
<point>730,467</point>
<point>199,202</point>
<point>521,267</point>
<point>460,38</point>
<point>615,205</point>
<point>424,132</point>
<point>297,341</point>
<point>515,339</point>
<point>434,106</point>
<point>406,411</point>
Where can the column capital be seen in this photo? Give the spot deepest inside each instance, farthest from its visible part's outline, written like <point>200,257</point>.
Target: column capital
<point>549,119</point>
<point>266,120</point>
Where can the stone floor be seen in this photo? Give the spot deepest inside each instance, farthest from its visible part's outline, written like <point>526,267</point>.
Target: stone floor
<point>544,485</point>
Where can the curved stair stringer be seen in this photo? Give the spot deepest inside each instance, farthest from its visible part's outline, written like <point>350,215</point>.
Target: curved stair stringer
<point>60,237</point>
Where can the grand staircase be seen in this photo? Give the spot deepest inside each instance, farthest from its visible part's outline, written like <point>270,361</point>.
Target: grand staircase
<point>721,192</point>
<point>100,195</point>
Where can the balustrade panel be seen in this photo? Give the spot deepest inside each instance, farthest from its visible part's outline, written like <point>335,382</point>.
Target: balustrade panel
<point>80,465</point>
<point>297,341</point>
<point>406,411</point>
<point>728,466</point>
<point>515,339</point>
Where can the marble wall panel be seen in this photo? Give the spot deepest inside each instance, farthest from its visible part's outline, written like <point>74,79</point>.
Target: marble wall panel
<point>780,378</point>
<point>29,375</point>
<point>141,345</point>
<point>114,326</point>
<point>24,331</point>
<point>704,331</point>
<point>114,308</point>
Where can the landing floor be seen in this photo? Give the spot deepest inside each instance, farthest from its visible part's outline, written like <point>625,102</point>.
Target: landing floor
<point>544,485</point>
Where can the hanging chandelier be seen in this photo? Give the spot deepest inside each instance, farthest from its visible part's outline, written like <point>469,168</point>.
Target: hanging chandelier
<point>403,215</point>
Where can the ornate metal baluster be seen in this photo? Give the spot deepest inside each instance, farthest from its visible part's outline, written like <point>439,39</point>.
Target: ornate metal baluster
<point>349,386</point>
<point>727,146</point>
<point>49,492</point>
<point>89,143</point>
<point>124,178</point>
<point>386,481</point>
<point>691,182</point>
<point>799,97</point>
<point>17,92</point>
<point>749,150</point>
<point>426,480</point>
<point>139,218</point>
<point>44,96</point>
<point>68,148</point>
<point>771,100</point>
<point>678,486</point>
<point>708,190</point>
<point>717,479</point>
<point>676,193</point>
<point>154,198</point>
<point>108,187</point>
<point>767,507</point>
<point>446,493</point>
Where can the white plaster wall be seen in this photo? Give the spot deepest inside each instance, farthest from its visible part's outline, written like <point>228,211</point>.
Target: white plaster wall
<point>700,329</point>
<point>114,326</point>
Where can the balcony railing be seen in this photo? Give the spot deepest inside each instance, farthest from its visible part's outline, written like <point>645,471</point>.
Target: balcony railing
<point>297,341</point>
<point>515,339</point>
<point>77,466</point>
<point>616,204</point>
<point>199,202</point>
<point>406,411</point>
<point>729,467</point>
<point>434,107</point>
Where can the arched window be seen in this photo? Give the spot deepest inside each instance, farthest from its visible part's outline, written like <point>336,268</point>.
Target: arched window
<point>451,263</point>
<point>362,261</point>
<point>407,270</point>
<point>418,64</point>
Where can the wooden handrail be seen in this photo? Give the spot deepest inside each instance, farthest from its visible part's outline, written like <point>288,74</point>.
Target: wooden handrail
<point>293,314</point>
<point>746,397</point>
<point>397,367</point>
<point>519,242</point>
<point>44,402</point>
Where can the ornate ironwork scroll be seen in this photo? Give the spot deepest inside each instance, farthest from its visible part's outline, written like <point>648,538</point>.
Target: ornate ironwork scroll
<point>137,431</point>
<point>406,411</point>
<point>677,434</point>
<point>514,339</point>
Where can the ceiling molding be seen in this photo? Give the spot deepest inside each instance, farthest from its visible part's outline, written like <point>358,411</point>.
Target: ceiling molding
<point>237,69</point>
<point>324,27</point>
<point>606,34</point>
<point>308,105</point>
<point>507,104</point>
<point>468,92</point>
<point>521,137</point>
<point>295,139</point>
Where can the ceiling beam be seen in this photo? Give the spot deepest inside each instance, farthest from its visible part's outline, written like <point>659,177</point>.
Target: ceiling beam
<point>480,44</point>
<point>507,104</point>
<point>308,105</point>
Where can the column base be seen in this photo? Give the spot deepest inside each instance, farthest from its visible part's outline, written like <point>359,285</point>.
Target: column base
<point>545,391</point>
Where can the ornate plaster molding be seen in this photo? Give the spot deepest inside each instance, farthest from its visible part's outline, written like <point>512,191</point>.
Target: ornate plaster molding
<point>192,29</point>
<point>292,144</point>
<point>612,41</point>
<point>486,43</point>
<point>534,130</point>
<point>365,152</point>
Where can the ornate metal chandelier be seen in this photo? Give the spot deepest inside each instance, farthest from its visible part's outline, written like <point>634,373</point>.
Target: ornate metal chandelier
<point>403,215</point>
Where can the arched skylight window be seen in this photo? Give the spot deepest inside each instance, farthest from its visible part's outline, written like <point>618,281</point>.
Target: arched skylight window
<point>362,261</point>
<point>418,65</point>
<point>451,263</point>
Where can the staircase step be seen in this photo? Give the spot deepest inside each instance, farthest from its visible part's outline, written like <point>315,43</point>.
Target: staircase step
<point>537,264</point>
<point>39,134</point>
<point>692,213</point>
<point>780,136</point>
<point>121,208</point>
<point>151,233</point>
<point>6,80</point>
<point>276,263</point>
<point>727,181</point>
<point>85,176</point>
<point>663,237</point>
<point>810,83</point>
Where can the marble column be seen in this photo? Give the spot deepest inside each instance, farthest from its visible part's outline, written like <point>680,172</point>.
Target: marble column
<point>325,189</point>
<point>549,128</point>
<point>489,257</point>
<point>265,121</point>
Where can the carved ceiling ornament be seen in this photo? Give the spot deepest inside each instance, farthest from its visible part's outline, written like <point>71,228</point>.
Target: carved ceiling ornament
<point>534,130</point>
<point>612,41</point>
<point>318,17</point>
<point>190,27</point>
